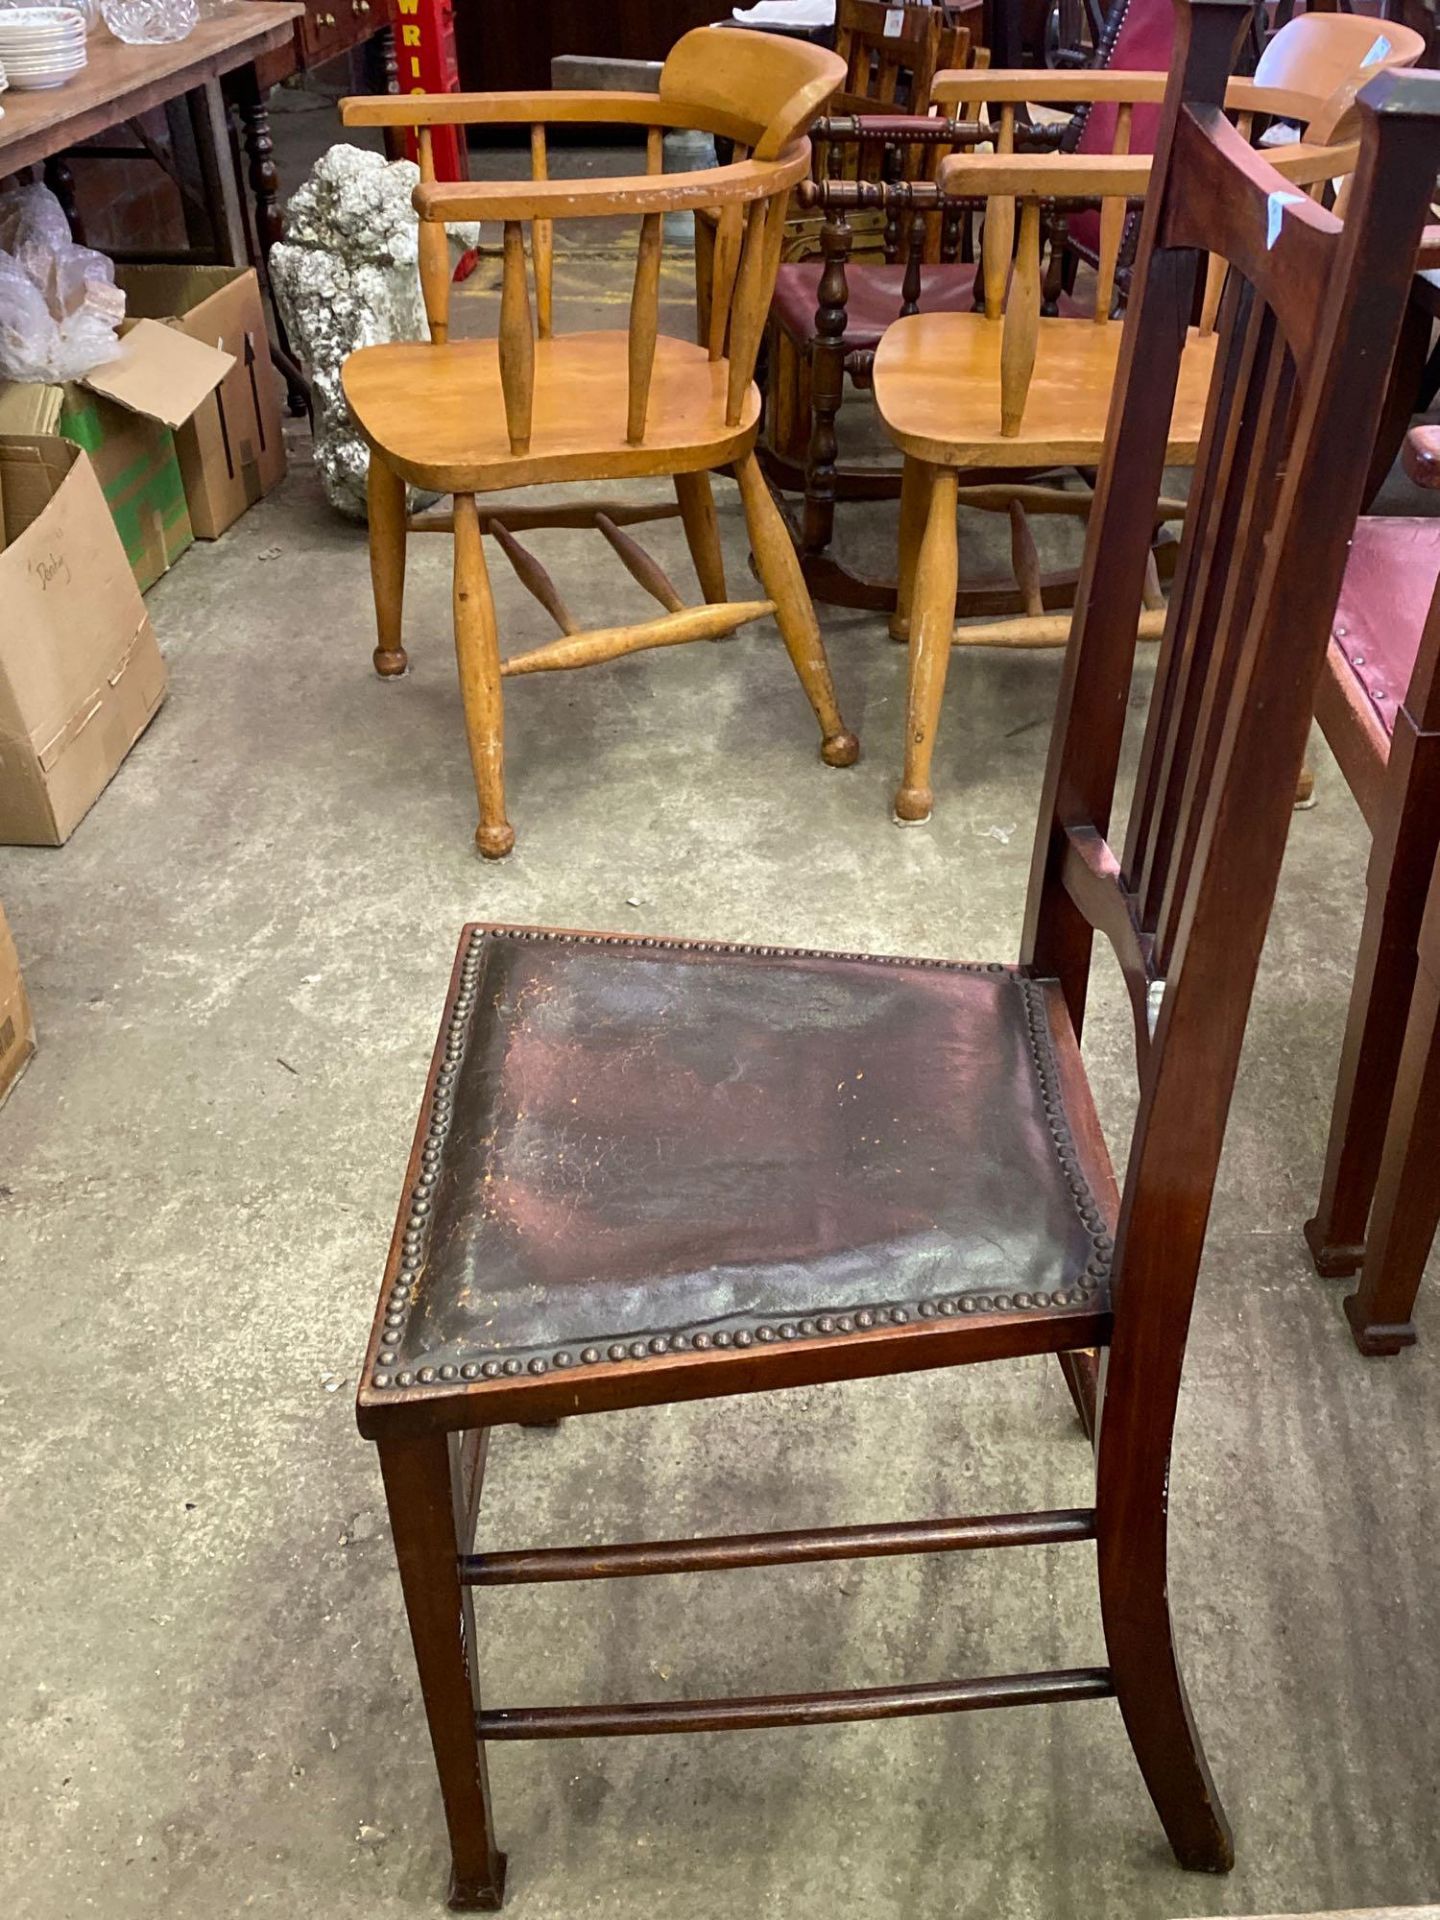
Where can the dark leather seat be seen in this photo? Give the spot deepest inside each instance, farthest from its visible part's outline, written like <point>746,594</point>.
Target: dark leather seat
<point>635,1150</point>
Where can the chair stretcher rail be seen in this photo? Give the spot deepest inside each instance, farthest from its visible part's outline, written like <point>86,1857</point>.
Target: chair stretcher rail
<point>792,1709</point>
<point>541,1564</point>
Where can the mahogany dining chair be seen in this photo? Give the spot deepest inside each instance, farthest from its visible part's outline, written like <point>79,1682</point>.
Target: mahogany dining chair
<point>1378,704</point>
<point>651,1170</point>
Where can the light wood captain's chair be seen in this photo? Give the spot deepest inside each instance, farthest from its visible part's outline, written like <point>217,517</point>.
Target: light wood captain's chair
<point>473,417</point>
<point>1010,388</point>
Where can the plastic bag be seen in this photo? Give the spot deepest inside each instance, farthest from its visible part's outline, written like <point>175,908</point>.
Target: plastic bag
<point>59,305</point>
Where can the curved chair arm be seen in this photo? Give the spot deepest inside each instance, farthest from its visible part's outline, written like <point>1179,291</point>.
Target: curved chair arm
<point>655,193</point>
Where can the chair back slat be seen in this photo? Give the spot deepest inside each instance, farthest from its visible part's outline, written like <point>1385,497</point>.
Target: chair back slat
<point>434,253</point>
<point>1113,214</point>
<point>644,323</point>
<point>542,241</point>
<point>729,233</point>
<point>1021,334</point>
<point>998,240</point>
<point>1265,437</point>
<point>1277,489</point>
<point>517,341</point>
<point>764,233</point>
<point>1196,595</point>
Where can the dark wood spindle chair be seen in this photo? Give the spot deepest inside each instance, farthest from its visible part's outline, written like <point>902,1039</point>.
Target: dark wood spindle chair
<point>473,417</point>
<point>654,1170</point>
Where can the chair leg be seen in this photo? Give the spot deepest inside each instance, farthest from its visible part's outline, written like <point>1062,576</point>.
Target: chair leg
<point>932,628</point>
<point>702,533</point>
<point>385,498</point>
<point>419,1490</point>
<point>1374,1034</point>
<point>784,583</point>
<point>1407,1195</point>
<point>1132,1489</point>
<point>914,500</point>
<point>1082,1376</point>
<point>477,649</point>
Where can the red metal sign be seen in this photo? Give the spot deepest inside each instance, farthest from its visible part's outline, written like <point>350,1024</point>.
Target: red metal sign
<point>426,61</point>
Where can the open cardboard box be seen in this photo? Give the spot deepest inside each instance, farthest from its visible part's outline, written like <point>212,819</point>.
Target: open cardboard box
<point>124,415</point>
<point>232,448</point>
<point>80,670</point>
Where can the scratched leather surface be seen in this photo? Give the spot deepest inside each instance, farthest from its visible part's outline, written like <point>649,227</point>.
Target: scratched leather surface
<point>652,1140</point>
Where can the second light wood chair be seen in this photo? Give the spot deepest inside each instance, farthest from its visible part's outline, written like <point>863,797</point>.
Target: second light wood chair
<point>473,417</point>
<point>1011,388</point>
<point>651,1170</point>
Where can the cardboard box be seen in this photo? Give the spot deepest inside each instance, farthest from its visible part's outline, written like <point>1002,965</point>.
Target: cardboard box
<point>80,671</point>
<point>17,1031</point>
<point>123,415</point>
<point>232,449</point>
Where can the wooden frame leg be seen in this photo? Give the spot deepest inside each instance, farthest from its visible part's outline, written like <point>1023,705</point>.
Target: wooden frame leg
<point>1407,1194</point>
<point>477,652</point>
<point>1081,1369</point>
<point>422,1496</point>
<point>702,533</point>
<point>932,628</point>
<point>1369,1060</point>
<point>1133,1473</point>
<point>385,500</point>
<point>914,504</point>
<point>784,583</point>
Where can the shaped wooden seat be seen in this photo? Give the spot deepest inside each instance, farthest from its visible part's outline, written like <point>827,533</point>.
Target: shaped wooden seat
<point>475,417</point>
<point>650,1170</point>
<point>937,377</point>
<point>437,413</point>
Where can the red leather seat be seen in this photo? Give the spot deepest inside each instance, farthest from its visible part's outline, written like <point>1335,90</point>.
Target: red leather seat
<point>1389,580</point>
<point>875,296</point>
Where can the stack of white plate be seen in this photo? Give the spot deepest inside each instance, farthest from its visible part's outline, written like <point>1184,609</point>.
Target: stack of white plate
<point>41,46</point>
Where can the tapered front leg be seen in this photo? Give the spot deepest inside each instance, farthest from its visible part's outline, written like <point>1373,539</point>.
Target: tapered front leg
<point>422,1500</point>
<point>784,583</point>
<point>702,533</point>
<point>914,505</point>
<point>385,498</point>
<point>477,651</point>
<point>932,629</point>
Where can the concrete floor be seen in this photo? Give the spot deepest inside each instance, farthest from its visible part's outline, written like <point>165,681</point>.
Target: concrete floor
<point>237,965</point>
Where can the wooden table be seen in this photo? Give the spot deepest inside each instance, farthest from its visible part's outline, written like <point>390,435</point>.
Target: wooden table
<point>121,83</point>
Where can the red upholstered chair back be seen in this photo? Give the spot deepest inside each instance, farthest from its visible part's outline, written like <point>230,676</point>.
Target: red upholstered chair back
<point>1139,36</point>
